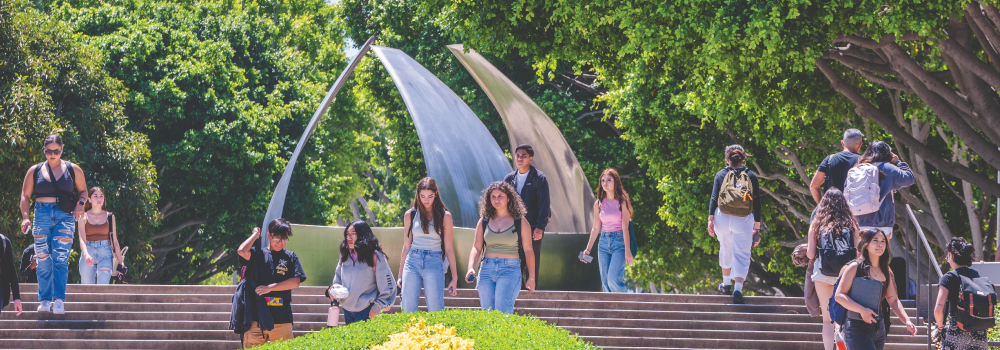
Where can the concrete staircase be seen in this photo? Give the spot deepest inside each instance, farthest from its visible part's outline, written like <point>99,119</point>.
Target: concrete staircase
<point>196,317</point>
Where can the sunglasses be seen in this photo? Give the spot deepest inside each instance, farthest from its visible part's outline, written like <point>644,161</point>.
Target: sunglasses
<point>53,152</point>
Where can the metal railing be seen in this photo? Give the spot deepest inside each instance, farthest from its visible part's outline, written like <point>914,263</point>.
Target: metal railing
<point>932,265</point>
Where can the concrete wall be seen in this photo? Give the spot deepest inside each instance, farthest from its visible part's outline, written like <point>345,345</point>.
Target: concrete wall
<point>318,248</point>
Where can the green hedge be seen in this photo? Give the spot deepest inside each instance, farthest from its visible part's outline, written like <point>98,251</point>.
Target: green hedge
<point>490,329</point>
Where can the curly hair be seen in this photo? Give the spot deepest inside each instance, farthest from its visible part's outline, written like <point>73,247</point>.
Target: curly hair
<point>833,213</point>
<point>515,207</point>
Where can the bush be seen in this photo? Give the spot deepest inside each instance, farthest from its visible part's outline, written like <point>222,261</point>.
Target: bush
<point>489,329</point>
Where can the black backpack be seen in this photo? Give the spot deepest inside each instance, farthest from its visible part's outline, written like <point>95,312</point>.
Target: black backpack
<point>974,310</point>
<point>835,251</point>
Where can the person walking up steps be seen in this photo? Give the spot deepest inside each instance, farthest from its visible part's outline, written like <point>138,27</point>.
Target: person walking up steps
<point>612,213</point>
<point>832,172</point>
<point>735,196</point>
<point>833,234</point>
<point>870,186</point>
<point>60,190</point>
<point>958,335</point>
<point>500,237</point>
<point>533,188</point>
<point>428,250</point>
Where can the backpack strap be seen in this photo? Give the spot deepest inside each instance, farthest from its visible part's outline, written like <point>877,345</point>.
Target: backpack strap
<point>413,215</point>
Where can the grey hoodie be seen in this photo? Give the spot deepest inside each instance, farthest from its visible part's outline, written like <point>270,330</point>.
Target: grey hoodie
<point>366,285</point>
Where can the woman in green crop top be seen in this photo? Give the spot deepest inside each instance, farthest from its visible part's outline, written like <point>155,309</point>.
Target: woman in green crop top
<point>498,237</point>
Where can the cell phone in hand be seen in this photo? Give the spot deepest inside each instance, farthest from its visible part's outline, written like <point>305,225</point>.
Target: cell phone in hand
<point>470,277</point>
<point>585,257</point>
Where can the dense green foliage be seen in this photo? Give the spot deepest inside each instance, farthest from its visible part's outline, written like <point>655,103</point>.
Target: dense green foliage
<point>686,78</point>
<point>52,82</point>
<point>489,329</point>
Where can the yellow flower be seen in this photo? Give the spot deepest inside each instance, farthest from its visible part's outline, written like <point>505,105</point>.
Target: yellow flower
<point>420,336</point>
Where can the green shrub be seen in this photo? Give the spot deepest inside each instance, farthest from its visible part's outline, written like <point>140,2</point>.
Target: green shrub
<point>490,329</point>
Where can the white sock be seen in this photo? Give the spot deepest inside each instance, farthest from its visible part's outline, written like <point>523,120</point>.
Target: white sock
<point>738,287</point>
<point>726,280</point>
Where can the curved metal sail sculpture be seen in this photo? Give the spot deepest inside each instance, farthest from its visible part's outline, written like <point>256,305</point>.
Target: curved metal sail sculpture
<point>569,191</point>
<point>459,152</point>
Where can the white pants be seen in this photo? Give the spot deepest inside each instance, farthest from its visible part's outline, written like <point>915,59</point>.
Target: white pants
<point>735,236</point>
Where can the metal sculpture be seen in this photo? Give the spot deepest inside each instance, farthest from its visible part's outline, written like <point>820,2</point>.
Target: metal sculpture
<point>569,192</point>
<point>460,154</point>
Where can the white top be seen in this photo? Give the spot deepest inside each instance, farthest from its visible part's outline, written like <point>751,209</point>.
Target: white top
<point>521,179</point>
<point>430,241</point>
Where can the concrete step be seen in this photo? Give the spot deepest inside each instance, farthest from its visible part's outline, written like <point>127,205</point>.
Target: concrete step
<point>55,342</point>
<point>462,293</point>
<point>197,317</point>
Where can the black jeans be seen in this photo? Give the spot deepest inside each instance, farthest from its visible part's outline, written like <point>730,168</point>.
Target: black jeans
<point>351,317</point>
<point>860,335</point>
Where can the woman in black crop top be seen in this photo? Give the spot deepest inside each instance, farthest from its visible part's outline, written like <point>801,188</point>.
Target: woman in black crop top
<point>53,227</point>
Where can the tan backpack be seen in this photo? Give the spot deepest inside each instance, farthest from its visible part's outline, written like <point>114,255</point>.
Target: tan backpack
<point>736,194</point>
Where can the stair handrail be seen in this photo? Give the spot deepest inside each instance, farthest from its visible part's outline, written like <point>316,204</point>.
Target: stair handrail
<point>927,246</point>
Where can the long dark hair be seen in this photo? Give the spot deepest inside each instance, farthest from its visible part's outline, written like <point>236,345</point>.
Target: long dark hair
<point>515,207</point>
<point>620,193</point>
<point>365,246</point>
<point>87,206</point>
<point>865,262</point>
<point>437,208</point>
<point>833,214</point>
<point>877,152</point>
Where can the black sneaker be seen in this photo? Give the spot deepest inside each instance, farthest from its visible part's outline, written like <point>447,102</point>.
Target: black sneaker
<point>725,289</point>
<point>738,297</point>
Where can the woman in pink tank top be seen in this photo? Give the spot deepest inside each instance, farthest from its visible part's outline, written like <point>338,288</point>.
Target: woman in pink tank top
<point>612,213</point>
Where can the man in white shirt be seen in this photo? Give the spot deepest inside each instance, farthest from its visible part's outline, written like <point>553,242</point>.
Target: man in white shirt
<point>533,188</point>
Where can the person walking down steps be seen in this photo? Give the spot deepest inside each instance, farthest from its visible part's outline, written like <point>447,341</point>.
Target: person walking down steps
<point>735,196</point>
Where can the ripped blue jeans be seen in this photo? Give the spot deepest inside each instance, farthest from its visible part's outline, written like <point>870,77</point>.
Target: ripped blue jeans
<point>53,231</point>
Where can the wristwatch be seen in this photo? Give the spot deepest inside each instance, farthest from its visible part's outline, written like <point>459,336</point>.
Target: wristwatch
<point>81,202</point>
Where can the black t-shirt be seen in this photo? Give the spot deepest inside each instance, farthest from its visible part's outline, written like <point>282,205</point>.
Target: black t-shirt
<point>835,166</point>
<point>953,283</point>
<point>284,264</point>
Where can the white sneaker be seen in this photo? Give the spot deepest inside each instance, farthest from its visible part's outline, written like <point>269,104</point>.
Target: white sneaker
<point>45,306</point>
<point>58,308</point>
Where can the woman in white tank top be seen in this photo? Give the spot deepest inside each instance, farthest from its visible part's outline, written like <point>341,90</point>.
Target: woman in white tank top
<point>428,252</point>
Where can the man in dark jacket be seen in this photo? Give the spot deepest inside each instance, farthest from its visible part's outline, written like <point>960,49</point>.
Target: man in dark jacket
<point>29,265</point>
<point>533,188</point>
<point>9,288</point>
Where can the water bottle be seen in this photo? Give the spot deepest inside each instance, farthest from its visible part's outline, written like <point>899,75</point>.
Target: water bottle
<point>333,316</point>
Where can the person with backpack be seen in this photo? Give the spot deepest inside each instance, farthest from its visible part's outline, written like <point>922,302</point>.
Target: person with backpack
<point>427,256</point>
<point>832,172</point>
<point>969,299</point>
<point>864,327</point>
<point>98,240</point>
<point>60,190</point>
<point>500,237</point>
<point>735,196</point>
<point>832,234</point>
<point>870,186</point>
<point>364,271</point>
<point>612,214</point>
